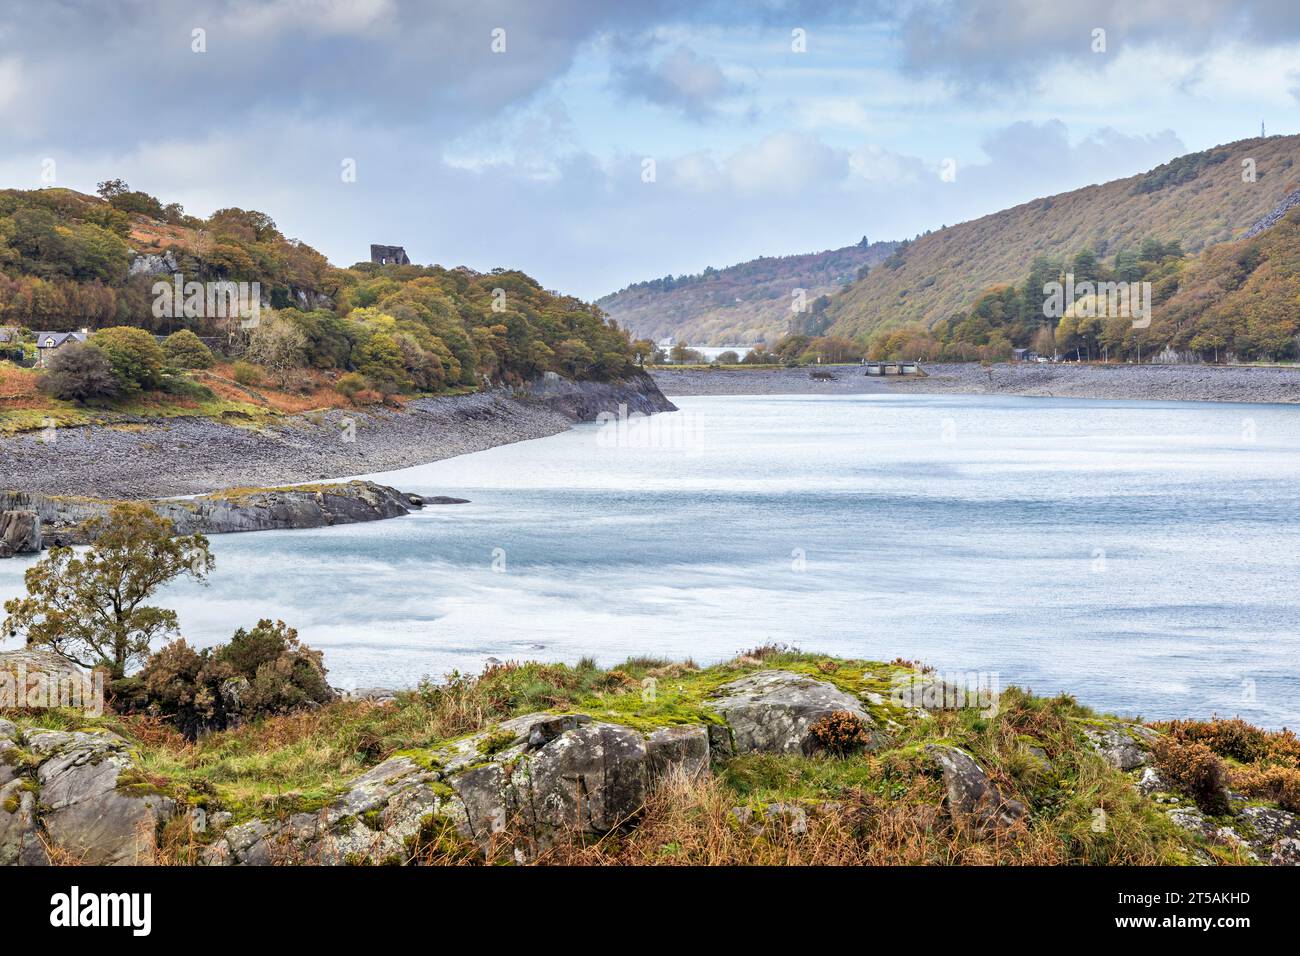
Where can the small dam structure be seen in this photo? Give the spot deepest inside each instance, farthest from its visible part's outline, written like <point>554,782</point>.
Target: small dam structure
<point>893,368</point>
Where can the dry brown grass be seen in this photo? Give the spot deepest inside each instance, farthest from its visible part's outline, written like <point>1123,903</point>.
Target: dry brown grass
<point>18,388</point>
<point>689,822</point>
<point>315,391</point>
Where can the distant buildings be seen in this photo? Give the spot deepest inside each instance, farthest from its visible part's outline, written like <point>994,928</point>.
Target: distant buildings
<point>47,343</point>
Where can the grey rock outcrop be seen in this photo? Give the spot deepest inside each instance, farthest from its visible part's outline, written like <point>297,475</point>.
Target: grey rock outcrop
<point>1273,216</point>
<point>1264,834</point>
<point>83,808</point>
<point>774,818</point>
<point>33,677</point>
<point>228,512</point>
<point>1194,821</point>
<point>20,842</point>
<point>683,750</point>
<point>20,533</point>
<point>971,792</point>
<point>373,822</point>
<point>1123,746</point>
<point>77,795</point>
<point>152,264</point>
<point>773,711</point>
<point>586,401</point>
<point>538,776</point>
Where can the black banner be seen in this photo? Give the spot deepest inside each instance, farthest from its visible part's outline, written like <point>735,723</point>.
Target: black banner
<point>146,907</point>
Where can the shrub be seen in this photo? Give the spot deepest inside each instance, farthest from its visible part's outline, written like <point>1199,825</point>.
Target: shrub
<point>261,672</point>
<point>284,674</point>
<point>246,373</point>
<point>1194,769</point>
<point>1239,740</point>
<point>841,732</point>
<point>184,349</point>
<point>1269,782</point>
<point>280,346</point>
<point>177,383</point>
<point>1272,756</point>
<point>351,384</point>
<point>79,373</point>
<point>136,358</point>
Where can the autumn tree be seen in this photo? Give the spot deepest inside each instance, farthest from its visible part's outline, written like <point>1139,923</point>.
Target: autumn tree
<point>280,346</point>
<point>90,609</point>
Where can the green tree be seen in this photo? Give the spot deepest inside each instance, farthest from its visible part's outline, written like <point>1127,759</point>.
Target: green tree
<point>90,609</point>
<point>112,187</point>
<point>136,357</point>
<point>184,349</point>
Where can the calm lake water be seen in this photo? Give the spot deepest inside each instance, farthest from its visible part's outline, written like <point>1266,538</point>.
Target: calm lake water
<point>1143,556</point>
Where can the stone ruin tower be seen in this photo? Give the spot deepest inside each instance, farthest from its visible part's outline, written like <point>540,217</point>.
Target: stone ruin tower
<point>389,256</point>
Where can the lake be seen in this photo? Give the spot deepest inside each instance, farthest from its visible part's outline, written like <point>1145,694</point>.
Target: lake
<point>1142,556</point>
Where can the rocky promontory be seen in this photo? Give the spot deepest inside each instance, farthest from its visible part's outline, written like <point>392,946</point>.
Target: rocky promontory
<point>63,520</point>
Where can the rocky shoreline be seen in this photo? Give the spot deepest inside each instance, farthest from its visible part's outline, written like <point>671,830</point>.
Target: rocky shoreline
<point>198,456</point>
<point>64,520</point>
<point>520,784</point>
<point>1186,383</point>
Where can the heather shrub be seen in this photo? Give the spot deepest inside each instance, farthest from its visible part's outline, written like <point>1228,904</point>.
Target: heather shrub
<point>841,732</point>
<point>1269,782</point>
<point>1268,761</point>
<point>1239,740</point>
<point>262,672</point>
<point>1194,769</point>
<point>284,675</point>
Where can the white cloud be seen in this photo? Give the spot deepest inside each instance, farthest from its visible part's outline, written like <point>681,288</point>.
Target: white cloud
<point>876,164</point>
<point>786,162</point>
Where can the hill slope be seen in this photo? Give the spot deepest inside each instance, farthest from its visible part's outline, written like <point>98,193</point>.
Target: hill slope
<point>741,304</point>
<point>1200,199</point>
<point>368,332</point>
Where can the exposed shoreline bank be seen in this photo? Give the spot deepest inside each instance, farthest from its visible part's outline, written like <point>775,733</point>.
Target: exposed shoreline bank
<point>1189,383</point>
<point>198,456</point>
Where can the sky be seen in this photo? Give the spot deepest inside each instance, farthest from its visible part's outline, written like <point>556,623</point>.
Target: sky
<point>594,143</point>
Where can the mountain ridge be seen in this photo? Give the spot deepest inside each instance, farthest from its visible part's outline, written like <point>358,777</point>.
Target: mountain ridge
<point>740,304</point>
<point>1202,199</point>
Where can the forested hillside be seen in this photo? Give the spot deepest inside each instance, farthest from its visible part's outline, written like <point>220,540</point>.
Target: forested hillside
<point>742,304</point>
<point>1197,200</point>
<point>70,260</point>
